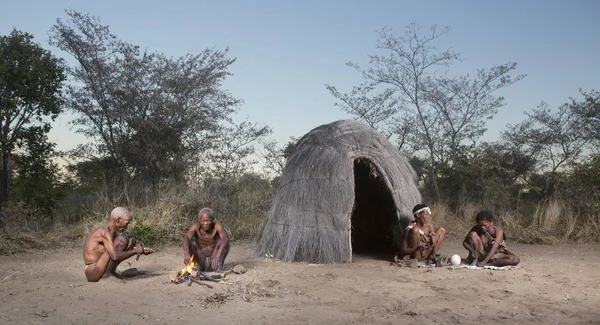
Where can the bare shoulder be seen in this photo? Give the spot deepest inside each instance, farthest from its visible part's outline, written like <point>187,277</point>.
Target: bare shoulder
<point>498,230</point>
<point>194,227</point>
<point>218,225</point>
<point>415,229</point>
<point>100,233</point>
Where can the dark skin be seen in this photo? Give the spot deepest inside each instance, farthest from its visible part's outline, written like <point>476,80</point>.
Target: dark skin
<point>211,240</point>
<point>103,250</point>
<point>480,250</point>
<point>422,247</point>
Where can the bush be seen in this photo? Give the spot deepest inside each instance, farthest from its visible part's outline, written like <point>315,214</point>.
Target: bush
<point>144,234</point>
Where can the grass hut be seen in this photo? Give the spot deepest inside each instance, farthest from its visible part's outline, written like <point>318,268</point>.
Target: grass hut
<point>345,189</point>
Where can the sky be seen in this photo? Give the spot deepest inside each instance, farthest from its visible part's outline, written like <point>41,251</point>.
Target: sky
<point>287,51</point>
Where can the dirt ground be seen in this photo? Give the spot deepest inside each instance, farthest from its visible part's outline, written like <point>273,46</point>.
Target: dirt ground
<point>553,285</point>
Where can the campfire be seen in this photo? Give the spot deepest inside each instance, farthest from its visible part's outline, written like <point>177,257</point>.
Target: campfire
<point>191,273</point>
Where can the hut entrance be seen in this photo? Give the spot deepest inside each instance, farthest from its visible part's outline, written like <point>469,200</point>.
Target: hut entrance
<point>374,216</point>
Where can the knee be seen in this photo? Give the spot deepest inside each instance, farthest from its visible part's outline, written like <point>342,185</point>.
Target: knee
<point>473,236</point>
<point>442,231</point>
<point>121,242</point>
<point>516,260</point>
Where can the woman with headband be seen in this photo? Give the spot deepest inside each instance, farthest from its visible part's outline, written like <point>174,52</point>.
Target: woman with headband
<point>421,240</point>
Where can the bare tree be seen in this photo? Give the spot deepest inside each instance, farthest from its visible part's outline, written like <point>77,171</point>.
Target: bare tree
<point>233,151</point>
<point>587,115</point>
<point>275,157</point>
<point>375,110</point>
<point>551,136</point>
<point>428,113</point>
<point>405,66</point>
<point>464,105</point>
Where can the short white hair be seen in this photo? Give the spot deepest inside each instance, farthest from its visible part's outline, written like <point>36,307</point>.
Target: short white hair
<point>119,212</point>
<point>208,211</point>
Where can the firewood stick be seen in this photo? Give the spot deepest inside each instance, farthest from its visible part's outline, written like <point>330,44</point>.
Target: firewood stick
<point>207,277</point>
<point>202,283</point>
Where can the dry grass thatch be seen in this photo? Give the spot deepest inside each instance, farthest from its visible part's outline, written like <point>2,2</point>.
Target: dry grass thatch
<point>345,186</point>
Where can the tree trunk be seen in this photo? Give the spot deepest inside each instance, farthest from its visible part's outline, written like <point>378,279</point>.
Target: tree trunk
<point>109,189</point>
<point>124,190</point>
<point>4,175</point>
<point>433,178</point>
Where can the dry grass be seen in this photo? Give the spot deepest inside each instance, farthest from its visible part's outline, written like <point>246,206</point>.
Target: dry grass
<point>549,222</point>
<point>164,222</point>
<point>553,222</point>
<point>246,287</point>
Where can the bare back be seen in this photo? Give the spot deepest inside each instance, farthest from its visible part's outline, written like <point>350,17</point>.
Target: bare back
<point>98,242</point>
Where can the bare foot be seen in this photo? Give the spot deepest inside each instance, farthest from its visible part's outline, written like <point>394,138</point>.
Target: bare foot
<point>472,259</point>
<point>475,260</point>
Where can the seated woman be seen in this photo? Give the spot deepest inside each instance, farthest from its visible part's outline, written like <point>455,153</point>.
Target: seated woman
<point>486,243</point>
<point>421,240</point>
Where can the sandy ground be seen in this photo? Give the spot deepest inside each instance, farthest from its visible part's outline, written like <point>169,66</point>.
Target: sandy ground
<point>553,285</point>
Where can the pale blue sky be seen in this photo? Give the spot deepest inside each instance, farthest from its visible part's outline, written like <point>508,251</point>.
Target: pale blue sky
<point>288,50</point>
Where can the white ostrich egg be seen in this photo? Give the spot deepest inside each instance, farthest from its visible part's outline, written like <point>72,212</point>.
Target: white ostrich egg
<point>455,259</point>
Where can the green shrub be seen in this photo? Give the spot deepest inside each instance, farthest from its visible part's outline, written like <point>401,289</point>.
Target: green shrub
<point>145,234</point>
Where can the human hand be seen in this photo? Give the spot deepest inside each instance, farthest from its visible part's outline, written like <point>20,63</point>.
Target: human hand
<point>481,263</point>
<point>216,265</point>
<point>144,250</point>
<point>186,259</point>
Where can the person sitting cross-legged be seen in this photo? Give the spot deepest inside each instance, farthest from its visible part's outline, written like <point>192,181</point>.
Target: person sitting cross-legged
<point>421,240</point>
<point>486,243</point>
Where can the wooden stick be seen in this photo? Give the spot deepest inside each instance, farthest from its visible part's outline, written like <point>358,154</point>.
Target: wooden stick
<point>207,277</point>
<point>202,283</point>
<point>8,276</point>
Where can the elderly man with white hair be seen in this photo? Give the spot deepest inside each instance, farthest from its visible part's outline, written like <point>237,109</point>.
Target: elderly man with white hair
<point>105,248</point>
<point>208,241</point>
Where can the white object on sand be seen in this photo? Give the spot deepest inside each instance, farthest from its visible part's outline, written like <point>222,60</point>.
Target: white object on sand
<point>486,267</point>
<point>455,259</point>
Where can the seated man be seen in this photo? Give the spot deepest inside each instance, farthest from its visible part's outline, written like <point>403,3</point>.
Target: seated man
<point>486,243</point>
<point>421,240</point>
<point>211,245</point>
<point>104,249</point>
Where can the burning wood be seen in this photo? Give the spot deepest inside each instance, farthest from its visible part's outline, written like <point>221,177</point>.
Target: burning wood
<point>191,273</point>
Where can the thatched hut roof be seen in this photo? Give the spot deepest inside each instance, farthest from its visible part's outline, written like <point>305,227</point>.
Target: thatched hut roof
<point>344,185</point>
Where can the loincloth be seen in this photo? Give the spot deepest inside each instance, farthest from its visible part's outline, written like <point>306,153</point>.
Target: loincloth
<point>207,263</point>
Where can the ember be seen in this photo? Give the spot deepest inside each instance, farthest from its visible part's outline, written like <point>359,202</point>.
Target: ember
<point>192,272</point>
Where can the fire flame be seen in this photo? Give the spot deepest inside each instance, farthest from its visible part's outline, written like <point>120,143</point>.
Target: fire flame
<point>190,270</point>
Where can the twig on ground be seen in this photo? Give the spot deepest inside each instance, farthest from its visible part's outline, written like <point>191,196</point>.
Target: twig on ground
<point>8,276</point>
<point>202,283</point>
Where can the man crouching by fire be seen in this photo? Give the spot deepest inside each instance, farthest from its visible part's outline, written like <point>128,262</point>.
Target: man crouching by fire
<point>211,245</point>
<point>105,248</point>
